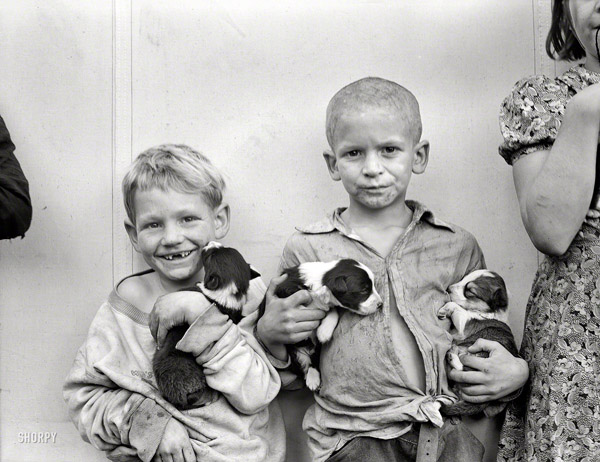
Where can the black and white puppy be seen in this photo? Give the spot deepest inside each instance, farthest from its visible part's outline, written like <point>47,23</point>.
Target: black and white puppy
<point>478,309</point>
<point>227,277</point>
<point>345,284</point>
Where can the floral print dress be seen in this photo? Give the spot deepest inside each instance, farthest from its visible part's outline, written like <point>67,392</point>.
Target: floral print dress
<point>557,418</point>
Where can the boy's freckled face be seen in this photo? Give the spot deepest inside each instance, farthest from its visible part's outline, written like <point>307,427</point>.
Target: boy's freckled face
<point>170,231</point>
<point>374,155</point>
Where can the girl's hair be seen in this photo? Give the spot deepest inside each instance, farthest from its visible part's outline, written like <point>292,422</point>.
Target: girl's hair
<point>562,43</point>
<point>172,166</point>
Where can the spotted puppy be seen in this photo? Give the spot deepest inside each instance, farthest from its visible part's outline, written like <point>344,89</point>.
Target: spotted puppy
<point>339,284</point>
<point>478,309</point>
<point>227,277</point>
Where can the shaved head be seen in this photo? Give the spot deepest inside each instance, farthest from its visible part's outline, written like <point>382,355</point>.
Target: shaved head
<point>374,93</point>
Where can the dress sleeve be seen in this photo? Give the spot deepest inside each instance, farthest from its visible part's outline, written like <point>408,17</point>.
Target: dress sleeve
<point>531,116</point>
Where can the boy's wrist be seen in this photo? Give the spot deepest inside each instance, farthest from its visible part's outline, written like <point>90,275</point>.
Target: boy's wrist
<point>276,349</point>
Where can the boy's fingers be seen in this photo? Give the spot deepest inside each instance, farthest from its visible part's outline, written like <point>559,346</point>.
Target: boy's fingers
<point>301,297</point>
<point>305,327</point>
<point>177,456</point>
<point>483,344</point>
<point>309,315</point>
<point>188,454</point>
<point>274,283</point>
<point>472,377</point>
<point>474,390</point>
<point>477,399</point>
<point>474,362</point>
<point>161,333</point>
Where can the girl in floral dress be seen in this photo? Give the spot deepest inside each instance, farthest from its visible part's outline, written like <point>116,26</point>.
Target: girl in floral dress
<point>550,129</point>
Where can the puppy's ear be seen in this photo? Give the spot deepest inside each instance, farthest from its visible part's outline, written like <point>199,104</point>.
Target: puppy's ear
<point>253,272</point>
<point>212,282</point>
<point>499,300</point>
<point>339,285</point>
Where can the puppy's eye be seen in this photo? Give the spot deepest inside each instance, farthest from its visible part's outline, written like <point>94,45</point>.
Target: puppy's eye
<point>469,291</point>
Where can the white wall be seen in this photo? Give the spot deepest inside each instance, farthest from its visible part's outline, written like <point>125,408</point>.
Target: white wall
<point>247,85</point>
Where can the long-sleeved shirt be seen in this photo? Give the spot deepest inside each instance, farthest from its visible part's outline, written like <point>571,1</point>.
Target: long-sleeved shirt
<point>15,203</point>
<point>364,389</point>
<point>113,400</point>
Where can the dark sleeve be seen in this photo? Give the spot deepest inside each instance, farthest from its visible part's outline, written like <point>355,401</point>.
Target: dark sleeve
<point>15,203</point>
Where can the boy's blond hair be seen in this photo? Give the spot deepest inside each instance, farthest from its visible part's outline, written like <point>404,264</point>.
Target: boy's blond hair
<point>374,93</point>
<point>173,166</point>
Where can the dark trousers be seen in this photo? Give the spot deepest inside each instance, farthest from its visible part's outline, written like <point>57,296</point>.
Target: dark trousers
<point>455,443</point>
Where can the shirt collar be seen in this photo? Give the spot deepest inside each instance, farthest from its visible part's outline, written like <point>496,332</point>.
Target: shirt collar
<point>334,221</point>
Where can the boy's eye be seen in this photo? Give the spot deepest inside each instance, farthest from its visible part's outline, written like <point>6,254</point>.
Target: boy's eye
<point>151,225</point>
<point>189,219</point>
<point>353,153</point>
<point>390,149</point>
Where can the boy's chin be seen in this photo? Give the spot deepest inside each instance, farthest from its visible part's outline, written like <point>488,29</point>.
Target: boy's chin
<point>378,202</point>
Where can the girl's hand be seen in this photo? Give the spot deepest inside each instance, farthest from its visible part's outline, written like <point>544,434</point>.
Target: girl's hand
<point>494,377</point>
<point>174,309</point>
<point>175,445</point>
<point>287,320</point>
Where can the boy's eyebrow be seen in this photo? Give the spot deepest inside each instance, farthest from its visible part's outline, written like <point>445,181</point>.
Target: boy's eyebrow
<point>352,146</point>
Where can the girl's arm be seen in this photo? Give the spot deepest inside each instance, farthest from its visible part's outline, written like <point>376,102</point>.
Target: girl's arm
<point>555,187</point>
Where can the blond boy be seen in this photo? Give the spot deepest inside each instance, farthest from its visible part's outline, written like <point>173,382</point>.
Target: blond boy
<point>174,201</point>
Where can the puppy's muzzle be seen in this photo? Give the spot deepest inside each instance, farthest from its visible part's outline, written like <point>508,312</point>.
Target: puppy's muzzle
<point>371,304</point>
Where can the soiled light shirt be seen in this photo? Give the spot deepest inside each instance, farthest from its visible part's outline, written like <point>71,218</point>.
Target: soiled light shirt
<point>364,389</point>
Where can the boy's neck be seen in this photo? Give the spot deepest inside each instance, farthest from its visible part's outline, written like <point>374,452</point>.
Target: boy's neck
<point>380,228</point>
<point>397,215</point>
<point>166,286</point>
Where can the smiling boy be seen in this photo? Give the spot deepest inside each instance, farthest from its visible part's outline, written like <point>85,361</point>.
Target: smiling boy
<point>174,201</point>
<point>383,375</point>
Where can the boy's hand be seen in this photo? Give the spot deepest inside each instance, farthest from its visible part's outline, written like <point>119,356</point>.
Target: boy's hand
<point>287,320</point>
<point>174,309</point>
<point>494,377</point>
<point>175,445</point>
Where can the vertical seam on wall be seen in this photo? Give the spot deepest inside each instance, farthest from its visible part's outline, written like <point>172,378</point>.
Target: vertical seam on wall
<point>122,131</point>
<point>543,64</point>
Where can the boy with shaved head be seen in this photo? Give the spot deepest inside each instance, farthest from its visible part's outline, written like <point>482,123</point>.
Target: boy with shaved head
<point>383,375</point>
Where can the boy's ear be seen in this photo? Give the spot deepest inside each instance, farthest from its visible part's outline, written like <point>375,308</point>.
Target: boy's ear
<point>132,233</point>
<point>331,162</point>
<point>421,151</point>
<point>221,220</point>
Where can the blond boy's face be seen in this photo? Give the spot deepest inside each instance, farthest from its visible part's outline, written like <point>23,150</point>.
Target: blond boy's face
<point>170,231</point>
<point>374,156</point>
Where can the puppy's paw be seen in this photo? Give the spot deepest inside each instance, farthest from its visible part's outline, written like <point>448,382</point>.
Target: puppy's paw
<point>325,332</point>
<point>454,361</point>
<point>446,310</point>
<point>313,379</point>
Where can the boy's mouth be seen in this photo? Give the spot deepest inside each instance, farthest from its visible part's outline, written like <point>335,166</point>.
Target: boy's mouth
<point>177,256</point>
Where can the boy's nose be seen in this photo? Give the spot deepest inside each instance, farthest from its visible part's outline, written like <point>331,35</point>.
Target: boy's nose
<point>372,165</point>
<point>172,236</point>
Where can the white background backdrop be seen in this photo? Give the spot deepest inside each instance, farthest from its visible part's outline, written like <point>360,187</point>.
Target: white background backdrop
<point>84,85</point>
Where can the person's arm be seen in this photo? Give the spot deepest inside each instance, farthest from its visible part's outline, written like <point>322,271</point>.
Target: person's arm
<point>554,187</point>
<point>108,416</point>
<point>15,203</point>
<point>232,360</point>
